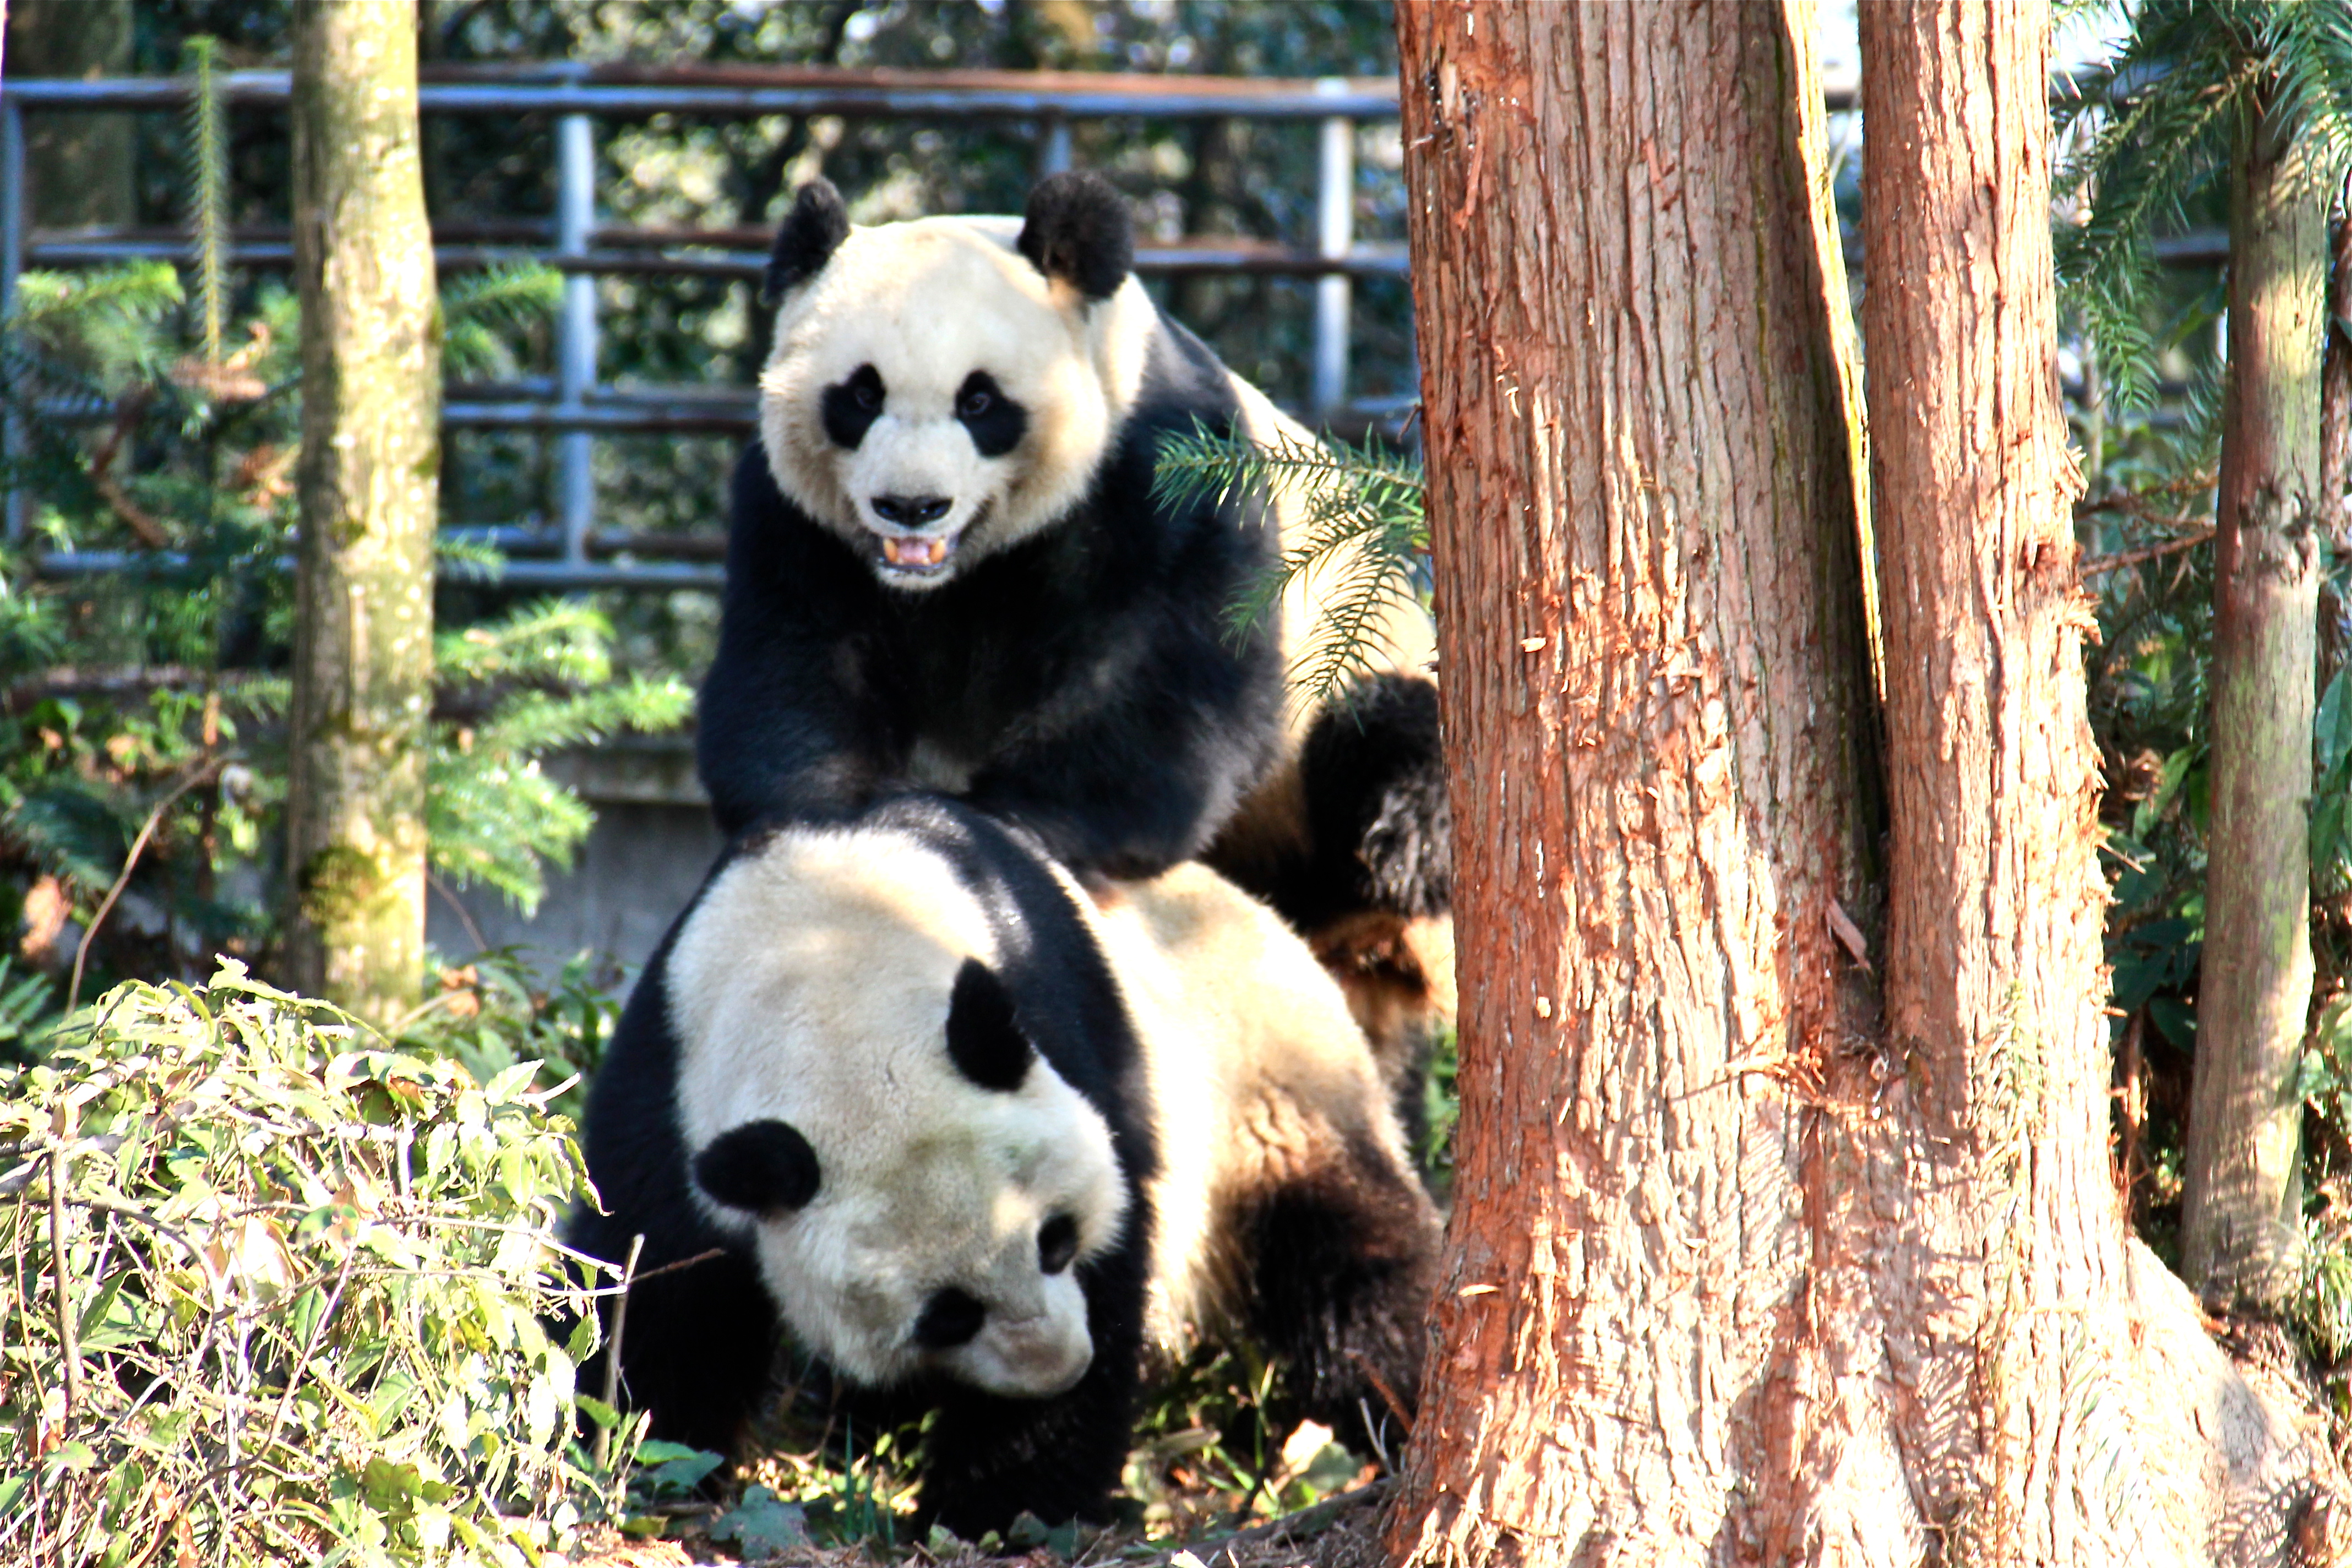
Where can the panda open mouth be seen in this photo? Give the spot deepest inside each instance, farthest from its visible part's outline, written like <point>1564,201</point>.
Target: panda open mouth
<point>917,555</point>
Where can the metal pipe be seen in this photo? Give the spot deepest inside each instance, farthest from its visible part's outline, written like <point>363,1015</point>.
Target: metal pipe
<point>1054,146</point>
<point>942,95</point>
<point>576,216</point>
<point>1334,236</point>
<point>12,262</point>
<point>562,577</point>
<point>1216,255</point>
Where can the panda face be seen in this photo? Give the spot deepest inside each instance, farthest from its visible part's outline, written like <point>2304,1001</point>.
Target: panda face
<point>933,395</point>
<point>860,1098</point>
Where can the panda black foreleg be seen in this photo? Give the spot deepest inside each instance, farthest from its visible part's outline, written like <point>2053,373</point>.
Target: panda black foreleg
<point>990,1459</point>
<point>1343,1261</point>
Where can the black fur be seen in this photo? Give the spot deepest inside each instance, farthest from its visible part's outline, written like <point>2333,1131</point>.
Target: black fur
<point>1077,229</point>
<point>701,1340</point>
<point>983,1040</point>
<point>1343,1263</point>
<point>850,408</point>
<point>1086,676</point>
<point>812,231</point>
<point>996,422</point>
<point>1378,833</point>
<point>760,1167</point>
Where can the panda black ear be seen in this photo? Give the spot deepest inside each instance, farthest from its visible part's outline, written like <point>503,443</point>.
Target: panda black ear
<point>764,1167</point>
<point>806,240</point>
<point>1077,229</point>
<point>984,1040</point>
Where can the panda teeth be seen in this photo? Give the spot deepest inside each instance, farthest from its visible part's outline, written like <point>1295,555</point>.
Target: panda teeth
<point>915,552</point>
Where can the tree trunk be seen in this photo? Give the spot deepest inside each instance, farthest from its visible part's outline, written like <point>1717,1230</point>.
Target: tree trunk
<point>1741,1270</point>
<point>78,166</point>
<point>2242,1212</point>
<point>368,484</point>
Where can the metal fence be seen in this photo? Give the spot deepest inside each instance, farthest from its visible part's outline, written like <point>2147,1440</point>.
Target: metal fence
<point>573,552</point>
<point>572,403</point>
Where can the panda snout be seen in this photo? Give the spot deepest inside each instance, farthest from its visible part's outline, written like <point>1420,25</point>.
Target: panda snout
<point>911,511</point>
<point>1034,1357</point>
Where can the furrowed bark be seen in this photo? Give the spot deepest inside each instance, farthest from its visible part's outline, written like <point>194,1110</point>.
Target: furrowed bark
<point>1656,692</point>
<point>368,486</point>
<point>2241,1216</point>
<point>1751,1262</point>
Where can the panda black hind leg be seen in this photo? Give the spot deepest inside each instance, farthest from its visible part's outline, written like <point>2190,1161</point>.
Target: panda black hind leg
<point>1343,1256</point>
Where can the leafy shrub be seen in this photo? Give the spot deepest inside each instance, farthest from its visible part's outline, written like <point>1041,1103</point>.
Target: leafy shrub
<point>300,1311</point>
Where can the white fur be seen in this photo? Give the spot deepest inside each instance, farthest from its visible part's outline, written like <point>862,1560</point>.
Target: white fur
<point>811,987</point>
<point>1258,1074</point>
<point>926,303</point>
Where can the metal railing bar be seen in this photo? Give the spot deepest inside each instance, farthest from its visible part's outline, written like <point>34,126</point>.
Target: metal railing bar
<point>941,95</point>
<point>537,539</point>
<point>1252,257</point>
<point>558,577</point>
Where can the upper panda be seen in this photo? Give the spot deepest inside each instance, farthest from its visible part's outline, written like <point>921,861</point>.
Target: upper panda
<point>948,568</point>
<point>902,1084</point>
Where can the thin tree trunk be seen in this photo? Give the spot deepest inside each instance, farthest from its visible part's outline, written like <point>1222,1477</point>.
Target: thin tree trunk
<point>2242,1220</point>
<point>1741,1269</point>
<point>369,484</point>
<point>2336,431</point>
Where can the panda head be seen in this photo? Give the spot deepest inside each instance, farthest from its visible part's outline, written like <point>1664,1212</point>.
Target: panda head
<point>942,388</point>
<point>858,1092</point>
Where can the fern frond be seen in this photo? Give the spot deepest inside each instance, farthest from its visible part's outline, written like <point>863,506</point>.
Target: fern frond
<point>208,190</point>
<point>479,312</point>
<point>532,723</point>
<point>1363,525</point>
<point>549,639</point>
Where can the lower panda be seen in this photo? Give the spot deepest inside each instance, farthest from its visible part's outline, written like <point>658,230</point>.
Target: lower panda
<point>898,1086</point>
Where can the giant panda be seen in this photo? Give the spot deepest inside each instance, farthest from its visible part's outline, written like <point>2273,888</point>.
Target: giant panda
<point>900,1086</point>
<point>948,569</point>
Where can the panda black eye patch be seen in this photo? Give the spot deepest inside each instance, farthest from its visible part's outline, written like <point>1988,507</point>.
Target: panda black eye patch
<point>950,1318</point>
<point>1057,1244</point>
<point>761,1167</point>
<point>996,422</point>
<point>850,407</point>
<point>984,1039</point>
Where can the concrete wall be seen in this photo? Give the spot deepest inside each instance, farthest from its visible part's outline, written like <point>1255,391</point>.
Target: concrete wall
<point>652,842</point>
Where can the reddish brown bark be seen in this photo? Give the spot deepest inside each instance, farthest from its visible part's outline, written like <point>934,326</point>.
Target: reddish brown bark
<point>1655,680</point>
<point>1743,1269</point>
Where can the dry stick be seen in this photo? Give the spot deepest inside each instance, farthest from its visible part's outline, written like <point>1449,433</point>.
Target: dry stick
<point>2099,565</point>
<point>294,1373</point>
<point>130,864</point>
<point>473,932</point>
<point>69,1351</point>
<point>613,1349</point>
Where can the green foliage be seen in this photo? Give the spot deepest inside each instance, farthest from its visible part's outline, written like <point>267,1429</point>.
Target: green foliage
<point>542,681</point>
<point>2191,77</point>
<point>1365,524</point>
<point>208,184</point>
<point>482,313</point>
<point>192,454</point>
<point>306,1278</point>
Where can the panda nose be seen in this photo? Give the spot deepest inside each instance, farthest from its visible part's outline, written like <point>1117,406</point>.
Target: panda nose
<point>911,511</point>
